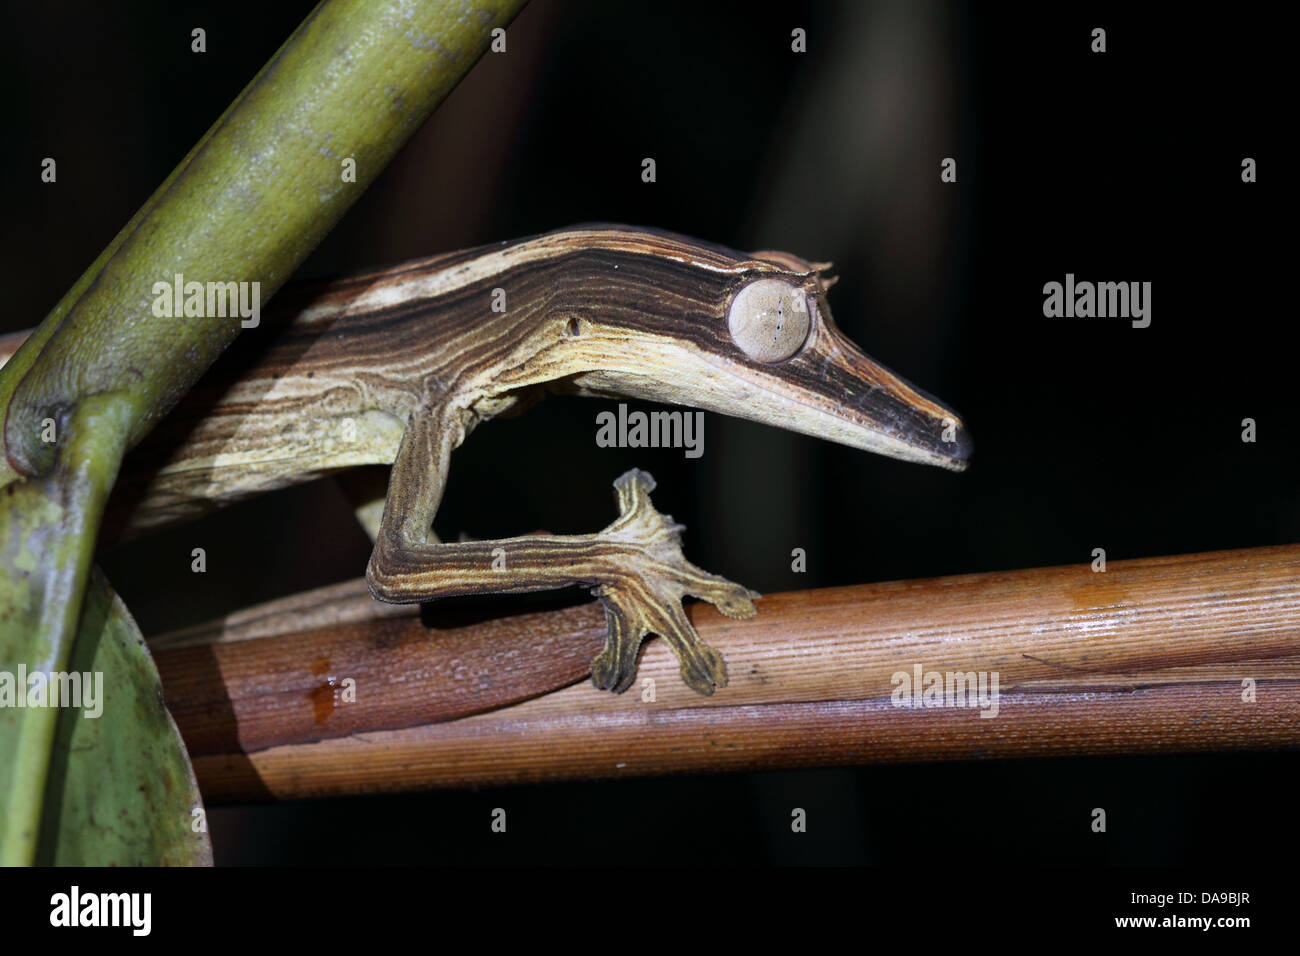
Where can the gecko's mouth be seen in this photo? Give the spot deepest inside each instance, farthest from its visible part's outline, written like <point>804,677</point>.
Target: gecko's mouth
<point>896,429</point>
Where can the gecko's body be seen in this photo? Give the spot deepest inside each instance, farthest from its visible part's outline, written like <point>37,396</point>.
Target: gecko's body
<point>399,366</point>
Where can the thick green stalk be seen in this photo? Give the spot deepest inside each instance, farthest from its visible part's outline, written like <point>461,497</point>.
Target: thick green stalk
<point>250,201</point>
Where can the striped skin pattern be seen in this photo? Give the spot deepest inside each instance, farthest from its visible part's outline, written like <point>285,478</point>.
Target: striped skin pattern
<point>399,366</point>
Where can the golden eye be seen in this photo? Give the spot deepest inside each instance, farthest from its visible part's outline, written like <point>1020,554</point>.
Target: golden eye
<point>769,320</point>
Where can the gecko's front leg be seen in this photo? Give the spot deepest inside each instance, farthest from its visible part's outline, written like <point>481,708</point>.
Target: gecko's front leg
<point>635,567</point>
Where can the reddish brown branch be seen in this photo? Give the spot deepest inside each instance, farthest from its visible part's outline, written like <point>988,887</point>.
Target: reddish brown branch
<point>1149,656</point>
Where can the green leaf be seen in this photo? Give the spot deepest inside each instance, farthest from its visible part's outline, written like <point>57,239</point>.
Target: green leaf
<point>47,538</point>
<point>121,790</point>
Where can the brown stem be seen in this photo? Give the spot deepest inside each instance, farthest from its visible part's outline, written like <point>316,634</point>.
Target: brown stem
<point>1149,656</point>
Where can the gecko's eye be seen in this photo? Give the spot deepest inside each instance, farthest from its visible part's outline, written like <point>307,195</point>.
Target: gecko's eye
<point>769,320</point>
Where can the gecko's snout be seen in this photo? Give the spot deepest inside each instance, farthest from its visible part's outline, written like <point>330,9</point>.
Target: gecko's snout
<point>931,427</point>
<point>871,407</point>
<point>888,415</point>
<point>962,448</point>
<point>926,430</point>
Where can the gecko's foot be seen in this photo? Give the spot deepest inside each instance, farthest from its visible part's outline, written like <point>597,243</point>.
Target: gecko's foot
<point>646,598</point>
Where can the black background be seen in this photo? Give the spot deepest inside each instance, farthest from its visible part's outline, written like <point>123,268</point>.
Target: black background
<point>1120,166</point>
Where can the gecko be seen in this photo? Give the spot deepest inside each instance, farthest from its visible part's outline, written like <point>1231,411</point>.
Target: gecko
<point>398,366</point>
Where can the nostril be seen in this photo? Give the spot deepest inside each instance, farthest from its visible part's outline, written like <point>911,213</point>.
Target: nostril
<point>572,330</point>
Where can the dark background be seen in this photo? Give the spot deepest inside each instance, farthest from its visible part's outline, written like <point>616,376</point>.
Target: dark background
<point>1121,166</point>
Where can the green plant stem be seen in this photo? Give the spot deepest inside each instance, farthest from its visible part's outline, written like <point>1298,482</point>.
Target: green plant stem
<point>249,202</point>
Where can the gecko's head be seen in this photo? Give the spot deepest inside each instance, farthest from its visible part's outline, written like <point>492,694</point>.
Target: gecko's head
<point>807,372</point>
<point>758,342</point>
